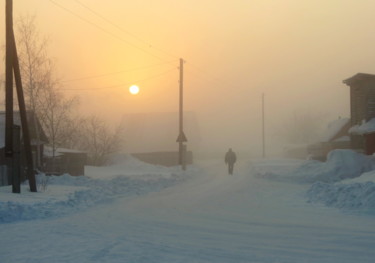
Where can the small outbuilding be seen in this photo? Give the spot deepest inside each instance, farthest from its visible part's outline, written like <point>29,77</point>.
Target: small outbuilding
<point>64,161</point>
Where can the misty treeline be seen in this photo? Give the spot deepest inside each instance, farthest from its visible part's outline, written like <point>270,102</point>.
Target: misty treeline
<point>56,112</point>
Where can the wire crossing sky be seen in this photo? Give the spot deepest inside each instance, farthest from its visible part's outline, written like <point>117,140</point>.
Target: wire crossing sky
<point>295,52</point>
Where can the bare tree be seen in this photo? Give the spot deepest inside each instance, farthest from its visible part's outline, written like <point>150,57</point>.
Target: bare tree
<point>99,140</point>
<point>35,66</point>
<point>55,113</point>
<point>41,85</point>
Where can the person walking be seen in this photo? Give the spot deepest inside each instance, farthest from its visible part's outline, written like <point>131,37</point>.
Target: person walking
<point>230,159</point>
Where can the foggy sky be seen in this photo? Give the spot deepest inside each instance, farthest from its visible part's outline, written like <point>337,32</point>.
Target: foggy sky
<point>296,52</point>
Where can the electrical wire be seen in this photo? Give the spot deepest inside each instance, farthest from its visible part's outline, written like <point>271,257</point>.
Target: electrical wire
<point>197,69</point>
<point>122,29</point>
<point>121,85</point>
<point>112,73</point>
<point>104,30</point>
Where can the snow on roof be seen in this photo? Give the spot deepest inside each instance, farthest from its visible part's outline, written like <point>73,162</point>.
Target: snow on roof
<point>342,139</point>
<point>367,127</point>
<point>334,128</point>
<point>59,151</point>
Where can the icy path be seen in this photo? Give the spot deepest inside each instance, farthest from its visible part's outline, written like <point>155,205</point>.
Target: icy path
<point>211,217</point>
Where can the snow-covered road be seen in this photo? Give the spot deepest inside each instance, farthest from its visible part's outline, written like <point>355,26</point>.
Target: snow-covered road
<point>208,217</point>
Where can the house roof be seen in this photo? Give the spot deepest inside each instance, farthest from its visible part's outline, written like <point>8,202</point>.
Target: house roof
<point>359,77</point>
<point>17,120</point>
<point>336,129</point>
<point>61,151</point>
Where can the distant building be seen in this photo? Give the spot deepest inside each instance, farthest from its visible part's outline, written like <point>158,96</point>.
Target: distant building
<point>152,136</point>
<point>65,161</point>
<point>362,111</point>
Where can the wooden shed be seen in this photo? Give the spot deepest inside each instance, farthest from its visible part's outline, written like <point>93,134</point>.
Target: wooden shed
<point>65,161</point>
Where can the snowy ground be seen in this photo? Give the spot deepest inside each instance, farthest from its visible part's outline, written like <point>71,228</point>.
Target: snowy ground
<point>268,211</point>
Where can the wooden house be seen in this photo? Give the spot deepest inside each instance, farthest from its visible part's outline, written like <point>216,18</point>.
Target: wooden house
<point>362,109</point>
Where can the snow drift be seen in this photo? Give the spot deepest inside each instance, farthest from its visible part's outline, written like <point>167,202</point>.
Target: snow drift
<point>340,164</point>
<point>345,181</point>
<point>65,194</point>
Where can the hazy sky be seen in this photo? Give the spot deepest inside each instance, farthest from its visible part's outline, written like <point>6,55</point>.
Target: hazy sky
<point>296,52</point>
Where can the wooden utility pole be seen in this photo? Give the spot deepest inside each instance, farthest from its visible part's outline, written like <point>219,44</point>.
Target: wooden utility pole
<point>181,136</point>
<point>263,130</point>
<point>24,123</point>
<point>9,92</point>
<point>12,66</point>
<point>9,79</point>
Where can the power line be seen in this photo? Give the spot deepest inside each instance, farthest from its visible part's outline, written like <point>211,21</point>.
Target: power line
<point>122,29</point>
<point>121,85</point>
<point>104,30</point>
<point>205,75</point>
<point>112,73</point>
<point>199,70</point>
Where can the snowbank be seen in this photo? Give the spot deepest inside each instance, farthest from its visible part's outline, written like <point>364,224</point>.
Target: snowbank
<point>127,165</point>
<point>353,193</point>
<point>346,196</point>
<point>346,180</point>
<point>66,194</point>
<point>340,164</point>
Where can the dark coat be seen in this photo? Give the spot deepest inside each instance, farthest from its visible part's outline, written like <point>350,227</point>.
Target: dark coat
<point>230,157</point>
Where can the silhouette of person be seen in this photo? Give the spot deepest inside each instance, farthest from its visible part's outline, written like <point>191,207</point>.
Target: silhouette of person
<point>230,159</point>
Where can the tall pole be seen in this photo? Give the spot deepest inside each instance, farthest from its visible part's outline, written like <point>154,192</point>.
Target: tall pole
<point>9,80</point>
<point>9,92</point>
<point>24,124</point>
<point>263,130</point>
<point>181,113</point>
<point>181,136</point>
<point>181,95</point>
<point>12,67</point>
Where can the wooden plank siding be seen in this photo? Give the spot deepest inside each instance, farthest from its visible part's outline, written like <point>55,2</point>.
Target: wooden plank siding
<point>362,105</point>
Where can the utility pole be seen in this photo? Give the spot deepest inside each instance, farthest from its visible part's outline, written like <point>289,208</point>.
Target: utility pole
<point>24,124</point>
<point>9,78</point>
<point>12,66</point>
<point>181,136</point>
<point>263,129</point>
<point>9,89</point>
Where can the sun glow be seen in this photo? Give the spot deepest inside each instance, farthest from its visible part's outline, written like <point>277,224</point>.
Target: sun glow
<point>134,89</point>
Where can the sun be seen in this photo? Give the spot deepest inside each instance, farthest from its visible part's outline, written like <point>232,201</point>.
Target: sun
<point>134,89</point>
